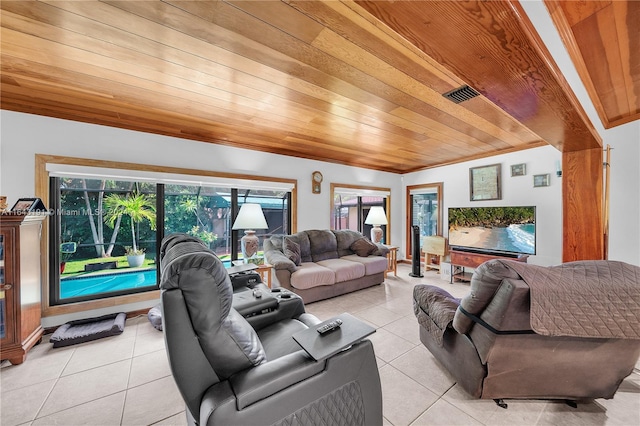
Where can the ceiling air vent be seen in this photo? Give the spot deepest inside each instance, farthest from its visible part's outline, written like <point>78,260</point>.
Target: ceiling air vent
<point>461,94</point>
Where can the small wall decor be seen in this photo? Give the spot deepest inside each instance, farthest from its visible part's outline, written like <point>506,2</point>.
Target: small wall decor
<point>541,180</point>
<point>518,169</point>
<point>484,182</point>
<point>316,182</point>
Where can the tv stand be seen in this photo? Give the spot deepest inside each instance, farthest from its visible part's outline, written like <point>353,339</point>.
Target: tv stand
<point>470,259</point>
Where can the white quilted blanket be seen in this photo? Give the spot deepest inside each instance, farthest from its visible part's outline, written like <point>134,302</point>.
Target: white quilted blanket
<point>597,298</point>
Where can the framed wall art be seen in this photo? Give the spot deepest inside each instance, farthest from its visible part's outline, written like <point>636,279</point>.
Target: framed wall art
<point>484,183</point>
<point>518,169</point>
<point>541,180</point>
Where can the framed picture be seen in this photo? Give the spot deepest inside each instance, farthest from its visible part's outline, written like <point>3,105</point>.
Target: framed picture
<point>484,183</point>
<point>541,180</point>
<point>26,205</point>
<point>518,169</point>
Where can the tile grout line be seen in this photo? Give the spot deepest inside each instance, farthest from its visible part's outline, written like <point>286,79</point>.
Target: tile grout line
<point>53,387</point>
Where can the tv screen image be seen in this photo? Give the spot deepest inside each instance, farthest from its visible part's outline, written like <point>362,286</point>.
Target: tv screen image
<point>493,229</point>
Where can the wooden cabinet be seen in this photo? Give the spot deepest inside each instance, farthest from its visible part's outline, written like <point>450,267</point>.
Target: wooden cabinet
<point>20,285</point>
<point>465,259</point>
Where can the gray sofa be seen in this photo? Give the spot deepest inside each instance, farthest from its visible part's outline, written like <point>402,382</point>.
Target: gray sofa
<point>319,264</point>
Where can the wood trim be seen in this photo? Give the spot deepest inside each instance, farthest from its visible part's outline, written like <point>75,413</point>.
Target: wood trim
<point>71,308</point>
<point>602,39</point>
<point>440,187</point>
<point>582,205</point>
<point>539,46</point>
<point>42,191</point>
<point>570,43</point>
<point>387,208</point>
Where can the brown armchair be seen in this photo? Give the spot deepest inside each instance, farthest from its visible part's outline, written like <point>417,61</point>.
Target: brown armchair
<point>524,331</point>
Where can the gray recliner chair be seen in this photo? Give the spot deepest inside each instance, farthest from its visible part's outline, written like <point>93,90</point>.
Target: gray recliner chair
<point>567,332</point>
<point>230,373</point>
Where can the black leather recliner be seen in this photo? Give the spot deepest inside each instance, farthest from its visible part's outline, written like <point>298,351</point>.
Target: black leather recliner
<point>229,372</point>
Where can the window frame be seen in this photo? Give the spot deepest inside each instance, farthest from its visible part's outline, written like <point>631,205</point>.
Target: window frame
<point>42,187</point>
<point>365,191</point>
<point>409,212</point>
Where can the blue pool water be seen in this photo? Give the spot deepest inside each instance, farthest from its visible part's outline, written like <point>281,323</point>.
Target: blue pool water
<point>106,283</point>
<point>84,286</point>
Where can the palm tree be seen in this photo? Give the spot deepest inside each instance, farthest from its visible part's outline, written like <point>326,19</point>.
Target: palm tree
<point>137,206</point>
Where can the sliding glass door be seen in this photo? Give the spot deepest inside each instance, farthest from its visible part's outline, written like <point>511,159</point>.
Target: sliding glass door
<point>424,206</point>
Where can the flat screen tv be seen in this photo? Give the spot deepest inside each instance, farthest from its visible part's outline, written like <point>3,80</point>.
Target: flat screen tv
<point>499,230</point>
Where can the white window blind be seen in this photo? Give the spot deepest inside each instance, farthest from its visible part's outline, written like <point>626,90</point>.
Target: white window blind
<point>420,191</point>
<point>363,192</point>
<point>87,172</point>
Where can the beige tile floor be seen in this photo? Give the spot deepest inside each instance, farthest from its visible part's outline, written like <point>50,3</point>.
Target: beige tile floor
<point>125,380</point>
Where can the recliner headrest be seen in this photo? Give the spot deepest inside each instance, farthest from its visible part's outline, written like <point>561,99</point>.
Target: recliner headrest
<point>174,239</point>
<point>226,338</point>
<point>484,283</point>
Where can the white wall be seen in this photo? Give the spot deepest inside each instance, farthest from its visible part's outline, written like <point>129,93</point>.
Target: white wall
<point>624,211</point>
<point>23,135</point>
<point>516,191</point>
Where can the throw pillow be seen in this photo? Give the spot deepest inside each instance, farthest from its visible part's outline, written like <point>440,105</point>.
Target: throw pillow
<point>363,247</point>
<point>291,249</point>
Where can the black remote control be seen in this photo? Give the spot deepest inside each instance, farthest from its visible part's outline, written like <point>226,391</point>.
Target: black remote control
<point>330,326</point>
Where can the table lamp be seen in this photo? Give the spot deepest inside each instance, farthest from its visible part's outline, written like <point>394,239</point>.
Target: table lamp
<point>250,218</point>
<point>376,217</point>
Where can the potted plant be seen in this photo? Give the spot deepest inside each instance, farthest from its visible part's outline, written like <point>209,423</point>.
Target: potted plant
<point>135,257</point>
<point>138,207</point>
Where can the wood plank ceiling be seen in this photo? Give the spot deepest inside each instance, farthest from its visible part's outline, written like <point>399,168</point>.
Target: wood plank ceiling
<point>356,83</point>
<point>603,39</point>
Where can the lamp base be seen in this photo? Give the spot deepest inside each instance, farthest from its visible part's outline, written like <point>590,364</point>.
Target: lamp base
<point>249,243</point>
<point>376,234</point>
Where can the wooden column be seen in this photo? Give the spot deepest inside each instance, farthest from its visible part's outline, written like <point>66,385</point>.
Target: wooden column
<point>582,205</point>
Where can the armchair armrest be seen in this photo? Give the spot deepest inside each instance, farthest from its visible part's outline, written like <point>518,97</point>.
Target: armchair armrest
<point>271,377</point>
<point>382,250</point>
<point>279,261</point>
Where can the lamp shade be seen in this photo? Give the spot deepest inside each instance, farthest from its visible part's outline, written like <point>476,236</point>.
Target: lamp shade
<point>250,217</point>
<point>376,216</point>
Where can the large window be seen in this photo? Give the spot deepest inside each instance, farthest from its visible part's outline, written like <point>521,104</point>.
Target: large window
<point>351,205</point>
<point>425,211</point>
<point>105,221</point>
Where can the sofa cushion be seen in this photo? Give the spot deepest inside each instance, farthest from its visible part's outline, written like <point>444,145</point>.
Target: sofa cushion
<point>310,274</point>
<point>363,247</point>
<point>323,244</point>
<point>274,242</point>
<point>372,264</point>
<point>346,237</point>
<point>345,270</point>
<point>292,250</point>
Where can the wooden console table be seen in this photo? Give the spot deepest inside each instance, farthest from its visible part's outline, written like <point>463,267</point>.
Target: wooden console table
<point>465,259</point>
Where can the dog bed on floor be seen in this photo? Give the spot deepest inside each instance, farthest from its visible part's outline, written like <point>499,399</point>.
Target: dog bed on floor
<point>85,330</point>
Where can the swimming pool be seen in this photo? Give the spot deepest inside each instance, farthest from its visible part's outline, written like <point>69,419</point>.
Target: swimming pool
<point>106,283</point>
